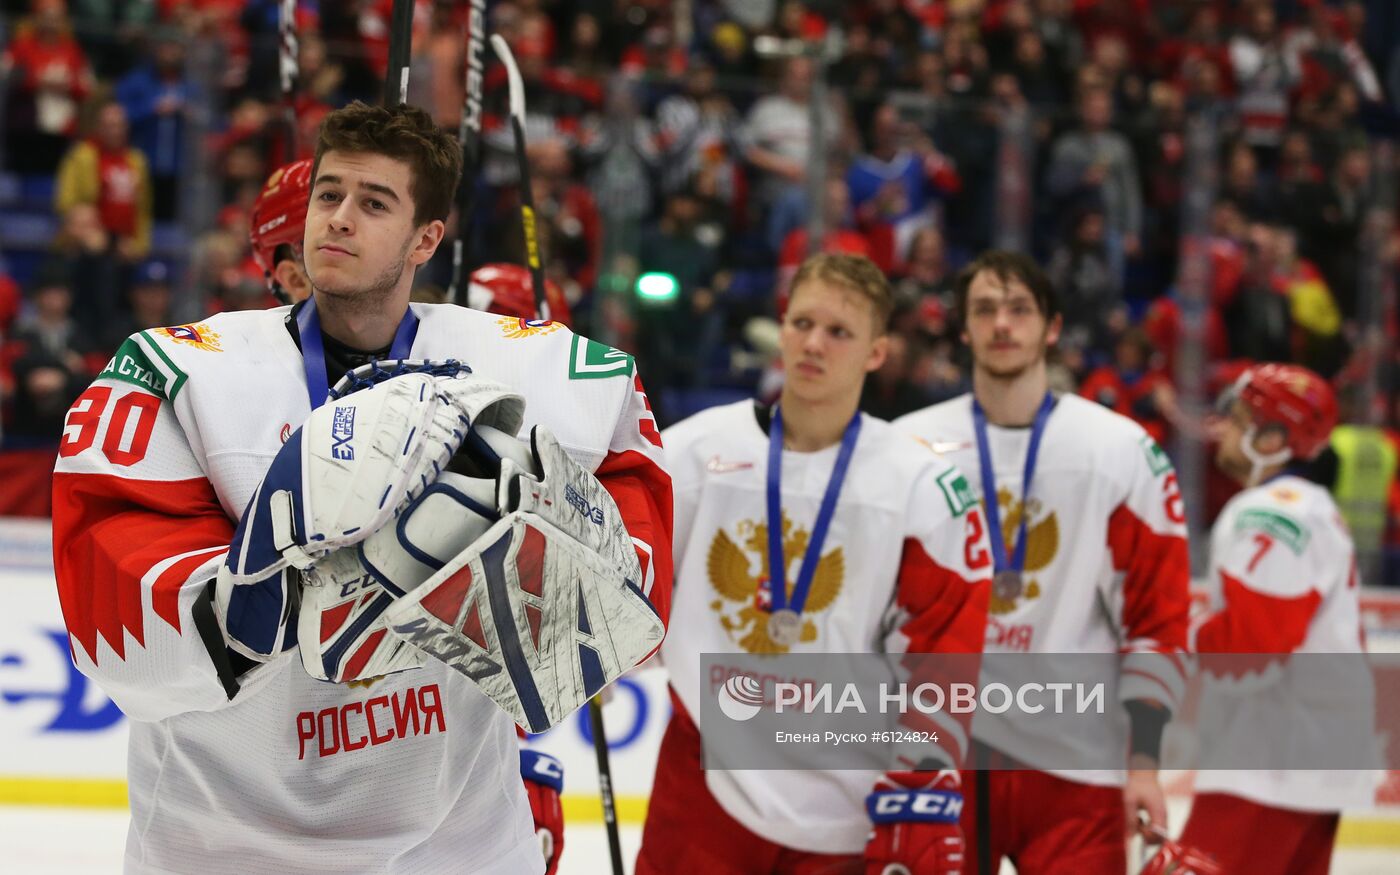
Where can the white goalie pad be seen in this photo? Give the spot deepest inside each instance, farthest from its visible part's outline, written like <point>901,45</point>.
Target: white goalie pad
<point>539,621</point>
<point>342,631</point>
<point>341,627</point>
<point>358,460</point>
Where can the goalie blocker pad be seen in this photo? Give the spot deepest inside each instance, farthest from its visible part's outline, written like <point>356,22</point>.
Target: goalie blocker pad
<point>536,619</point>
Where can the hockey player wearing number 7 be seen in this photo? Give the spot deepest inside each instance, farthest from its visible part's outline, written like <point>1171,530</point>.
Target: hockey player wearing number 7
<point>1089,544</point>
<point>809,527</point>
<point>1282,581</point>
<point>326,591</point>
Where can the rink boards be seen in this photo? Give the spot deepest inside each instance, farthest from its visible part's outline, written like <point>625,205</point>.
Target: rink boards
<point>63,743</point>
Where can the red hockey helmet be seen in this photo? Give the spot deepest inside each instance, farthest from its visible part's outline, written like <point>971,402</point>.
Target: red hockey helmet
<point>279,214</point>
<point>508,290</point>
<point>1293,399</point>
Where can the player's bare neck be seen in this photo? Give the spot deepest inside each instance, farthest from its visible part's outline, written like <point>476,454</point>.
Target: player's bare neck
<point>1011,401</point>
<point>809,427</point>
<point>359,327</point>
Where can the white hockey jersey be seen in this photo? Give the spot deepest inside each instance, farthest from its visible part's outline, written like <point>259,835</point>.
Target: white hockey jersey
<point>894,576</point>
<point>1283,581</point>
<point>417,772</point>
<point>1106,568</point>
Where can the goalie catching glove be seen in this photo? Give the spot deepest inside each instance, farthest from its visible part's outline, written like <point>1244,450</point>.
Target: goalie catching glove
<point>513,567</point>
<point>354,464</point>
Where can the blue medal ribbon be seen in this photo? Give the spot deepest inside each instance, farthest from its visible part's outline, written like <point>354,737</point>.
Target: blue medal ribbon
<point>313,351</point>
<point>777,564</point>
<point>1017,562</point>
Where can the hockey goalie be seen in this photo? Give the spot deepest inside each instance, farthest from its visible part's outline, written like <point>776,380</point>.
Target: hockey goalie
<point>326,557</point>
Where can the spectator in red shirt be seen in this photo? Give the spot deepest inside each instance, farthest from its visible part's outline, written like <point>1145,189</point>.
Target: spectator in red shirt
<point>1133,386</point>
<point>105,170</point>
<point>51,77</point>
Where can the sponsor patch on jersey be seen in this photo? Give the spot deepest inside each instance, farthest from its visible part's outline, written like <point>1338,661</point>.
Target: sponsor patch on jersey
<point>132,365</point>
<point>342,432</point>
<point>197,335</point>
<point>1156,457</point>
<point>956,491</point>
<point>516,328</point>
<point>1280,527</point>
<point>591,360</point>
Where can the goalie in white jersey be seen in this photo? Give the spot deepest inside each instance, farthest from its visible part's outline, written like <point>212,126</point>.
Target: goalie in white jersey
<point>1089,542</point>
<point>325,610</point>
<point>1282,581</point>
<point>876,548</point>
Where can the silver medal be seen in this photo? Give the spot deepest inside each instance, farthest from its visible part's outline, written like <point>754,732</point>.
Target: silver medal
<point>785,627</point>
<point>1006,584</point>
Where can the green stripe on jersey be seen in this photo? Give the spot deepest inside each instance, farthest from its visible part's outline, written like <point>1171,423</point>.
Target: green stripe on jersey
<point>591,360</point>
<point>177,377</point>
<point>1278,526</point>
<point>132,365</point>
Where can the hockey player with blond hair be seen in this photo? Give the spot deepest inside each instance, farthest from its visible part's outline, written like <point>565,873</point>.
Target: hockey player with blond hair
<point>810,527</point>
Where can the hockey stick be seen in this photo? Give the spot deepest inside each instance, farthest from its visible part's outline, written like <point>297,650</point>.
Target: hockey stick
<point>288,54</point>
<point>469,135</point>
<point>527,197</point>
<point>400,40</point>
<point>600,749</point>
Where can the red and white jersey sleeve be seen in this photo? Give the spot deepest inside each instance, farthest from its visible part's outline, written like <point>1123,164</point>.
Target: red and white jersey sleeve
<point>941,593</point>
<point>902,569</point>
<point>1106,566</point>
<point>159,459</point>
<point>1283,581</point>
<point>138,533</point>
<point>633,472</point>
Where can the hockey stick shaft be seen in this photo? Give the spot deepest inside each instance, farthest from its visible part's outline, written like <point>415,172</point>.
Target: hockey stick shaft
<point>469,135</point>
<point>288,54</point>
<point>527,198</point>
<point>600,748</point>
<point>400,43</point>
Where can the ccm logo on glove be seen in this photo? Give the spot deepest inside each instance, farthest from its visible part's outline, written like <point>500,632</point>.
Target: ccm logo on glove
<point>342,430</point>
<point>926,805</point>
<point>593,514</point>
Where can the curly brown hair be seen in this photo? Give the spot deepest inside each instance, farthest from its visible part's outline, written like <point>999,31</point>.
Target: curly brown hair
<point>404,133</point>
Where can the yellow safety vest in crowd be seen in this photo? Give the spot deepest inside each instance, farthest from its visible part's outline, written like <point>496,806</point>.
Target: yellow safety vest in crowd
<point>1367,463</point>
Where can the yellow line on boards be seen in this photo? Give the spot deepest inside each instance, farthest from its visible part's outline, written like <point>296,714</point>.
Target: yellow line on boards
<point>111,793</point>
<point>1356,831</point>
<point>63,792</point>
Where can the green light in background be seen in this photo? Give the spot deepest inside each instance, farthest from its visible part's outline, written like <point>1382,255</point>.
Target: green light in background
<point>658,287</point>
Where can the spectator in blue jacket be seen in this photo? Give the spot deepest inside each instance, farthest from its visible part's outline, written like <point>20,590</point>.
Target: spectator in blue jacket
<point>155,97</point>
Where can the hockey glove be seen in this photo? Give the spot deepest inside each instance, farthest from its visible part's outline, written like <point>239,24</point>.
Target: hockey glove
<point>357,461</point>
<point>352,465</point>
<point>343,625</point>
<point>544,782</point>
<point>915,815</point>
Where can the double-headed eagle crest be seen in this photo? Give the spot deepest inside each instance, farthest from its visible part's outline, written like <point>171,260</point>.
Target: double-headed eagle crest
<point>1042,542</point>
<point>728,566</point>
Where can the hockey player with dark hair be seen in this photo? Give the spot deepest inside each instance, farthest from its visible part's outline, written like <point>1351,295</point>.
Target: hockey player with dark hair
<point>1089,544</point>
<point>304,550</point>
<point>809,527</point>
<point>1282,581</point>
<point>279,219</point>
